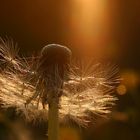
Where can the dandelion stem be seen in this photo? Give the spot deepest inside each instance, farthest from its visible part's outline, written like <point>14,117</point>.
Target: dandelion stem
<point>53,67</point>
<point>53,124</point>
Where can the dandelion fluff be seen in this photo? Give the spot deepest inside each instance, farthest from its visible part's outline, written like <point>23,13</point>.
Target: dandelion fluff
<point>87,92</point>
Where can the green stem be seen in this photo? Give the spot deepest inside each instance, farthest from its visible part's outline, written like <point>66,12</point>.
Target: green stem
<point>53,124</point>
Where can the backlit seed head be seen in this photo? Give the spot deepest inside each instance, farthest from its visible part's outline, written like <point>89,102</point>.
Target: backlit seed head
<point>86,94</point>
<point>54,59</point>
<point>56,54</point>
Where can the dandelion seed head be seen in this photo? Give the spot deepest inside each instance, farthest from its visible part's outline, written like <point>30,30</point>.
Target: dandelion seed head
<point>53,57</point>
<point>87,93</point>
<point>58,52</point>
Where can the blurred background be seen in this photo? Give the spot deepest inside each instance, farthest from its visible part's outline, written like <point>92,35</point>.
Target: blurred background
<point>103,29</point>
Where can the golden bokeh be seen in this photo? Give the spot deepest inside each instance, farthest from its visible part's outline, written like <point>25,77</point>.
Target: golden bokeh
<point>130,79</point>
<point>121,89</point>
<point>67,133</point>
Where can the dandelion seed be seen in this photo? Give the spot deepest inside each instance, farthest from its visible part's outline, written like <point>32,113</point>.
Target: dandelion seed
<point>9,54</point>
<point>87,88</point>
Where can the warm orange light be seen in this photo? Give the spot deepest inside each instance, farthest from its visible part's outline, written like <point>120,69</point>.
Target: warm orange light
<point>69,134</point>
<point>90,25</point>
<point>121,89</point>
<point>130,79</point>
<point>88,14</point>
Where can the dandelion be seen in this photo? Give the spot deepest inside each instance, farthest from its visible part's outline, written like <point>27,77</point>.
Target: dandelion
<point>50,85</point>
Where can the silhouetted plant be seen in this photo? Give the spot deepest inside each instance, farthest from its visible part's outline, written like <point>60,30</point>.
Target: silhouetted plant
<point>80,91</point>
